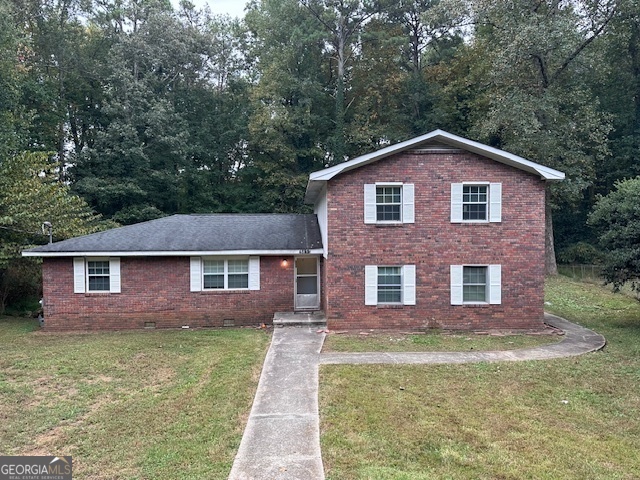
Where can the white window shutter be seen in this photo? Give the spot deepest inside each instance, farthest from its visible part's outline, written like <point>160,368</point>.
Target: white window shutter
<point>196,274</point>
<point>456,285</point>
<point>409,285</point>
<point>114,275</point>
<point>495,202</point>
<point>79,279</point>
<point>370,203</point>
<point>495,284</point>
<point>408,203</point>
<point>254,273</point>
<point>370,285</point>
<point>456,203</point>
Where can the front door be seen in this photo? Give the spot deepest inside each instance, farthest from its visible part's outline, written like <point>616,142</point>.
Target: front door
<point>307,283</point>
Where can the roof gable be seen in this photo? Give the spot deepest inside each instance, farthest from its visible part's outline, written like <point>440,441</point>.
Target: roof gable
<point>435,138</point>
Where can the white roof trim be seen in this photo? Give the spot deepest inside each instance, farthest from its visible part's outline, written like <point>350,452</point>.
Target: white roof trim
<point>450,139</point>
<point>264,253</point>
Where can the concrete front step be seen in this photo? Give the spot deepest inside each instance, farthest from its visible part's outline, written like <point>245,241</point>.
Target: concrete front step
<point>297,319</point>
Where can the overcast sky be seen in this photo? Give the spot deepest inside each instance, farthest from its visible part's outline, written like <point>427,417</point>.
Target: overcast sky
<point>235,8</point>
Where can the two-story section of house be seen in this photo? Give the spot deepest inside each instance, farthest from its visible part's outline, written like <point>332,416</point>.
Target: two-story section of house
<point>438,231</point>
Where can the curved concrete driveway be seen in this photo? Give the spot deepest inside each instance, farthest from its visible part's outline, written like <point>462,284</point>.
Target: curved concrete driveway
<point>282,436</point>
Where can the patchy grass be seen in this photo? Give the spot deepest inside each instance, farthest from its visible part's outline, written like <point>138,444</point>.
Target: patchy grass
<point>571,418</point>
<point>432,342</point>
<point>144,405</point>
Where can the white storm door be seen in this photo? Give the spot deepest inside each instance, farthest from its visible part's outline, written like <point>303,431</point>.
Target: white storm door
<point>307,283</point>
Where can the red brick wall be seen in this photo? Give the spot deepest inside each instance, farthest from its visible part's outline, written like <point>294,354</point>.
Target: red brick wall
<point>156,289</point>
<point>433,243</point>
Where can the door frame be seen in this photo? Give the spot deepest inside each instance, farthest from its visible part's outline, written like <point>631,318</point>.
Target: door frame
<point>295,283</point>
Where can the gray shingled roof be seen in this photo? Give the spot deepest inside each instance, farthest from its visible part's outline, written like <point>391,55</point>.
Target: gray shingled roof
<point>201,233</point>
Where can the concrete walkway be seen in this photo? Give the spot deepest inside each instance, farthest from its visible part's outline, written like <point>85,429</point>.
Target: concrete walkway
<point>282,437</point>
<point>577,341</point>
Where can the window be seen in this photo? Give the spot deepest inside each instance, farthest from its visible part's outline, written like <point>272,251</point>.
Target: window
<point>389,203</point>
<point>96,275</point>
<point>213,271</point>
<point>238,273</point>
<point>476,284</point>
<point>476,202</point>
<point>225,273</point>
<point>390,285</point>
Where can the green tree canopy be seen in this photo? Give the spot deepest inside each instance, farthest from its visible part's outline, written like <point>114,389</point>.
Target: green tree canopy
<point>31,194</point>
<point>616,218</point>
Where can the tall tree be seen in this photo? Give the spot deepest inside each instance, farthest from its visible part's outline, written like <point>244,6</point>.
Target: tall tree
<point>291,114</point>
<point>537,103</point>
<point>216,108</point>
<point>13,115</point>
<point>617,87</point>
<point>64,88</point>
<point>130,173</point>
<point>430,32</point>
<point>30,194</point>
<point>343,22</point>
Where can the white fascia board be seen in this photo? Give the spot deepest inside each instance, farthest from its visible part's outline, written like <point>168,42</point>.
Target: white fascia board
<point>314,188</point>
<point>501,156</point>
<point>545,173</point>
<point>226,253</point>
<point>329,173</point>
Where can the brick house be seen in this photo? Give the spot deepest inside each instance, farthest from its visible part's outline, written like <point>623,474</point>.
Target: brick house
<point>438,231</point>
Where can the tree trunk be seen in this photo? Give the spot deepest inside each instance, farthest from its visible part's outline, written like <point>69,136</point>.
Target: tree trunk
<point>550,266</point>
<point>339,142</point>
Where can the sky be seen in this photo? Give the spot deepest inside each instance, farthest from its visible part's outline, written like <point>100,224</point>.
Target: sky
<point>235,8</point>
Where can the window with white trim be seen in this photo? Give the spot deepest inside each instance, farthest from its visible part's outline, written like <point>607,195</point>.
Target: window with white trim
<point>98,279</point>
<point>476,202</point>
<point>225,274</point>
<point>389,202</point>
<point>476,284</point>
<point>220,273</point>
<point>390,285</point>
<point>96,275</point>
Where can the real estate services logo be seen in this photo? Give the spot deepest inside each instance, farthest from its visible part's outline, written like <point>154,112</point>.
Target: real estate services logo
<point>35,468</point>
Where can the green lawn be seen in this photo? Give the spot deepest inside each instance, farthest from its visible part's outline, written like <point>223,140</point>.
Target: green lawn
<point>574,418</point>
<point>432,342</point>
<point>143,405</point>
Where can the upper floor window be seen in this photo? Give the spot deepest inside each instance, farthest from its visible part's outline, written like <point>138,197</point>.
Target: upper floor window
<point>476,202</point>
<point>389,202</point>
